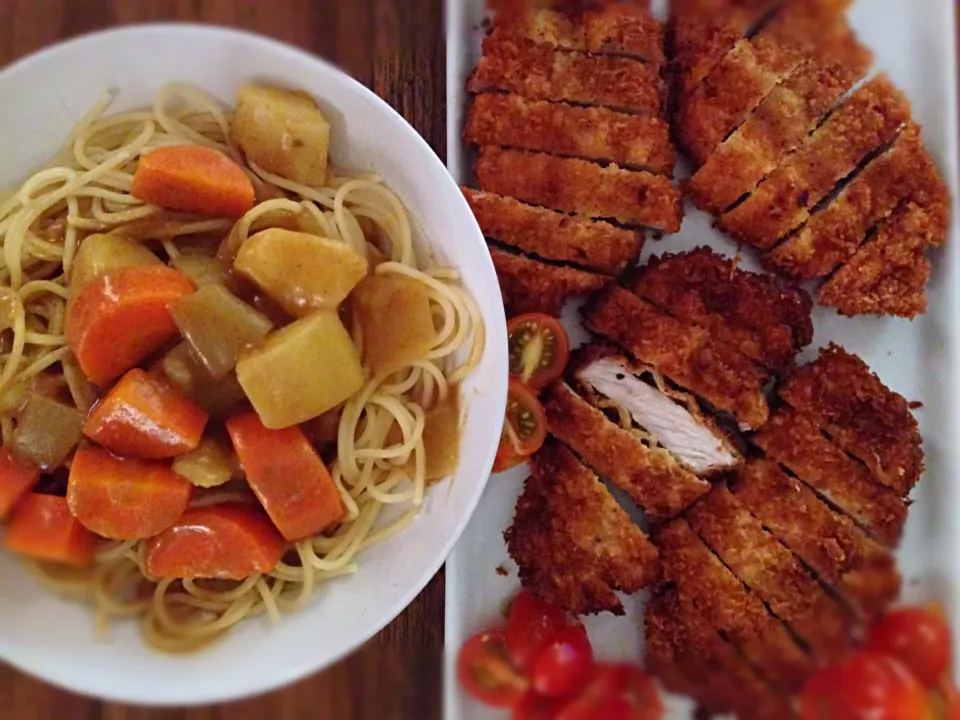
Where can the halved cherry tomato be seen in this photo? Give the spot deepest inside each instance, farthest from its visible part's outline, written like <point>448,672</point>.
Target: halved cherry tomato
<point>531,624</point>
<point>536,707</point>
<point>506,460</point>
<point>917,637</point>
<point>486,671</point>
<point>524,427</point>
<point>564,665</point>
<point>539,349</point>
<point>617,691</point>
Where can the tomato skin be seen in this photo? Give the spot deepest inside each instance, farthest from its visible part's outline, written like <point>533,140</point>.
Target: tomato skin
<point>564,665</point>
<point>917,637</point>
<point>527,422</point>
<point>616,691</point>
<point>506,460</point>
<point>536,707</point>
<point>539,349</point>
<point>486,672</point>
<point>531,624</point>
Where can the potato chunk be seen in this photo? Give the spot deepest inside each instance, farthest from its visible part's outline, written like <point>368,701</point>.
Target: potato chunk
<point>283,132</point>
<point>201,269</point>
<point>102,254</point>
<point>302,371</point>
<point>302,273</point>
<point>441,437</point>
<point>181,367</point>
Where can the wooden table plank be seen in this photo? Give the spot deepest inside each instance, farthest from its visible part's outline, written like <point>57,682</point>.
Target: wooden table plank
<point>395,47</point>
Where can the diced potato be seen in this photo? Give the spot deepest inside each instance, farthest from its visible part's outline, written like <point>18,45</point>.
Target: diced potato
<point>395,320</point>
<point>302,371</point>
<point>210,465</point>
<point>218,326</point>
<point>302,273</point>
<point>441,437</point>
<point>182,368</point>
<point>101,254</point>
<point>201,269</point>
<point>47,431</point>
<point>284,132</point>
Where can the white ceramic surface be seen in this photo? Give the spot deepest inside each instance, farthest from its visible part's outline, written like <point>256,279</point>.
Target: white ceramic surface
<point>913,42</point>
<point>42,97</point>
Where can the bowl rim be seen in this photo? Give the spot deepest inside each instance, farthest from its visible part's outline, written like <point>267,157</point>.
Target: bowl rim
<point>292,672</point>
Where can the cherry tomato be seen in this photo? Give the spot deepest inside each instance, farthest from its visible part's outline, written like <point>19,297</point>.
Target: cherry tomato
<point>539,349</point>
<point>531,624</point>
<point>506,460</point>
<point>487,673</point>
<point>617,691</point>
<point>867,686</point>
<point>564,665</point>
<point>917,637</point>
<point>524,427</point>
<point>536,707</point>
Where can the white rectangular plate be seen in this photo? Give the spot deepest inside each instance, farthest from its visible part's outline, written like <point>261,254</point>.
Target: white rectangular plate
<point>914,43</point>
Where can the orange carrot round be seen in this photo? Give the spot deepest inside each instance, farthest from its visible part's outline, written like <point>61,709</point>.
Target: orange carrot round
<point>143,416</point>
<point>16,478</point>
<point>124,498</point>
<point>227,542</point>
<point>193,178</point>
<point>41,527</point>
<point>121,318</point>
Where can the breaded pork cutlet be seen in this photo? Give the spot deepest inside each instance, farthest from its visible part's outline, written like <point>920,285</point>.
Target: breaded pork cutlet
<point>771,571</point>
<point>593,133</point>
<point>763,318</point>
<point>542,73</point>
<point>705,587</point>
<point>842,396</point>
<point>528,285</point>
<point>862,124</point>
<point>861,571</point>
<point>578,186</point>
<point>592,244</point>
<point>687,355</point>
<point>573,544</point>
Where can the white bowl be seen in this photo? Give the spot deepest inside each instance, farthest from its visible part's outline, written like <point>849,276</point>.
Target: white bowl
<point>42,97</point>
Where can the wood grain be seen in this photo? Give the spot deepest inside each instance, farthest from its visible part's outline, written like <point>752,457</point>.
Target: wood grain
<point>396,47</point>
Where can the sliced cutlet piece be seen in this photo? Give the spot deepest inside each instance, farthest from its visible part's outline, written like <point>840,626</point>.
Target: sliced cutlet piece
<point>593,244</point>
<point>864,122</point>
<point>705,587</point>
<point>727,96</point>
<point>698,43</point>
<point>832,235</point>
<point>577,186</point>
<point>772,572</point>
<point>777,127</point>
<point>634,141</point>
<point>864,573</point>
<point>797,444</point>
<point>841,395</point>
<point>543,73</point>
<point>574,545</point>
<point>528,285</point>
<point>763,318</point>
<point>690,658</point>
<point>687,355</point>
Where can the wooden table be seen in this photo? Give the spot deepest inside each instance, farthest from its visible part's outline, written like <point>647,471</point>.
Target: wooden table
<point>395,47</point>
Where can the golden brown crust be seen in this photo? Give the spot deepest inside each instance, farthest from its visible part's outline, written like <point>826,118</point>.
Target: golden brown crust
<point>687,355</point>
<point>796,443</point>
<point>574,545</point>
<point>528,285</point>
<point>652,478</point>
<point>582,187</point>
<point>864,417</point>
<point>865,121</point>
<point>594,244</point>
<point>764,319</point>
<point>634,141</point>
<point>863,572</point>
<point>542,73</point>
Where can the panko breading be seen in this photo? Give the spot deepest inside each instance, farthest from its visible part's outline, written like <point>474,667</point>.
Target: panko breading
<point>864,573</point>
<point>593,133</point>
<point>542,73</point>
<point>698,44</point>
<point>840,393</point>
<point>778,126</point>
<point>772,572</point>
<point>832,235</point>
<point>593,244</point>
<point>729,381</point>
<point>797,444</point>
<point>764,319</point>
<point>573,544</point>
<point>864,122</point>
<point>706,587</point>
<point>731,91</point>
<point>578,186</point>
<point>528,285</point>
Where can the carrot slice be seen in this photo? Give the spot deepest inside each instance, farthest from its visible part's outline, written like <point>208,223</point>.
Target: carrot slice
<point>121,318</point>
<point>16,478</point>
<point>287,475</point>
<point>193,178</point>
<point>145,417</point>
<point>42,527</point>
<point>226,542</point>
<point>124,498</point>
